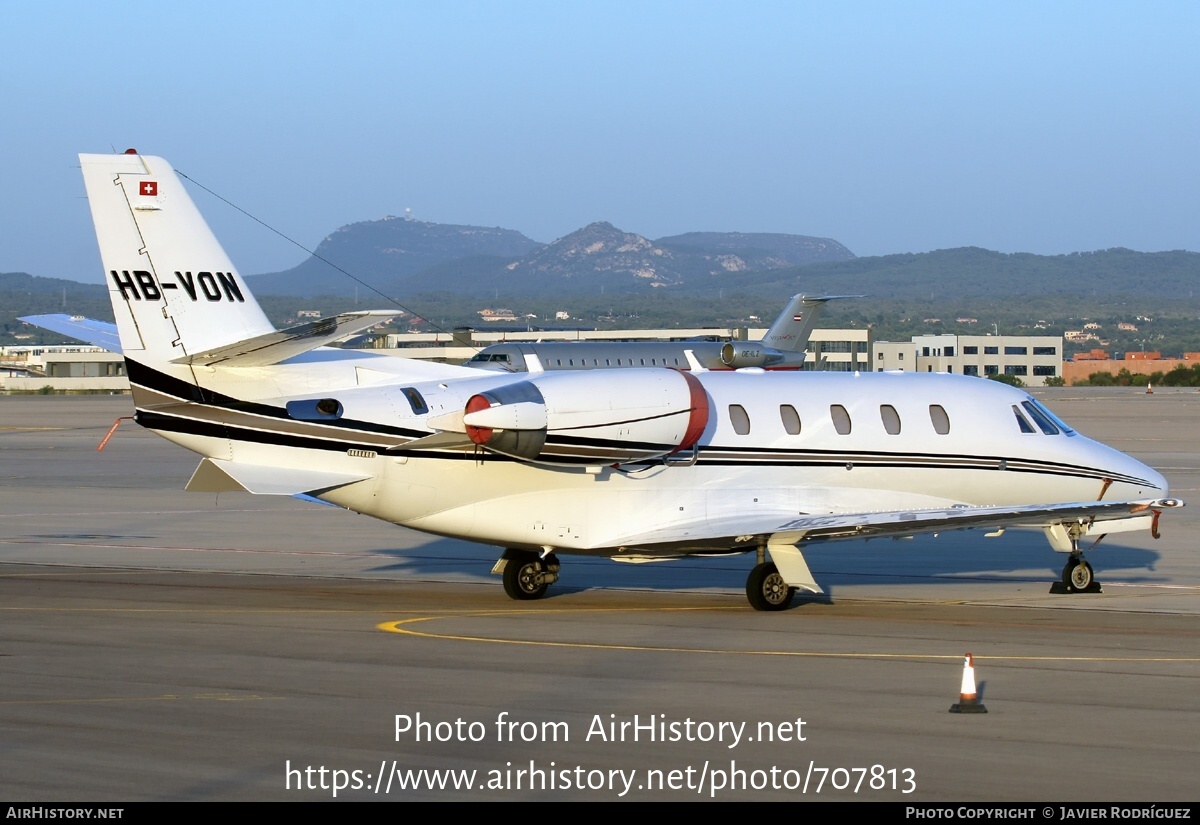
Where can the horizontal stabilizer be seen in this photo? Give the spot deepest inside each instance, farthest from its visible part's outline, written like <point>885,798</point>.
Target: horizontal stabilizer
<point>216,475</point>
<point>274,347</point>
<point>97,333</point>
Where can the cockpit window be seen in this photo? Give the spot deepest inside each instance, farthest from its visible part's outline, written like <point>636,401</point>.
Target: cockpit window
<point>1057,422</point>
<point>1022,421</point>
<point>1040,416</point>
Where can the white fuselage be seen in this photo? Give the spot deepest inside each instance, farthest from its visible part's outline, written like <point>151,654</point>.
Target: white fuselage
<point>748,460</point>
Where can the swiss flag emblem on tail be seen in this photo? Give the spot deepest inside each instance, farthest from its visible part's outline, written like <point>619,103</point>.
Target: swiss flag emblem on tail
<point>149,188</point>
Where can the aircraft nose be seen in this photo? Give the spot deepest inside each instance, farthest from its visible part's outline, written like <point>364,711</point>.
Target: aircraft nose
<point>1150,482</point>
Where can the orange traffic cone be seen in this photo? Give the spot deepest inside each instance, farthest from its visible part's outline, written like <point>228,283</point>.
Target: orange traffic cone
<point>968,699</point>
<point>1149,389</point>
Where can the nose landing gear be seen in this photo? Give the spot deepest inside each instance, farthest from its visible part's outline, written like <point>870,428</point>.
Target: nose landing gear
<point>1077,574</point>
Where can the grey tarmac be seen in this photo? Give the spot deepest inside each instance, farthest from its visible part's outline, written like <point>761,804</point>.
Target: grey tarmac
<point>165,645</point>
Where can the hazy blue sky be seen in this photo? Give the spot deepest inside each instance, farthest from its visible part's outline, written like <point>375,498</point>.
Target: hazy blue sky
<point>890,126</point>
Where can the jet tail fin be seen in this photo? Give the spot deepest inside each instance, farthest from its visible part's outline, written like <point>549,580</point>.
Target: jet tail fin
<point>795,324</point>
<point>174,291</point>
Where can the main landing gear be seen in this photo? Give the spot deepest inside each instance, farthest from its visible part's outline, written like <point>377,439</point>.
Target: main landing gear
<point>526,574</point>
<point>766,589</point>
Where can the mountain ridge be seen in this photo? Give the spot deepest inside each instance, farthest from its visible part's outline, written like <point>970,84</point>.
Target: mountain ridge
<point>401,255</point>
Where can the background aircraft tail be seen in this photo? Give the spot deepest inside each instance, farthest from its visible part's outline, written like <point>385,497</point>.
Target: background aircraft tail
<point>791,329</point>
<point>174,291</point>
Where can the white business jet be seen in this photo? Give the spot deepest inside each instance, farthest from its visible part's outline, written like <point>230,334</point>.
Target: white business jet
<point>633,464</point>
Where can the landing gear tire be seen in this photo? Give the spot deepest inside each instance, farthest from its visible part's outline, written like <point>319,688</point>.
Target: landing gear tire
<point>1078,575</point>
<point>524,577</point>
<point>767,590</point>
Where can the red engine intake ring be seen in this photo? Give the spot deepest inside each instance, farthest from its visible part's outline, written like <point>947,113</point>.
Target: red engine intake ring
<point>480,435</point>
<point>697,415</point>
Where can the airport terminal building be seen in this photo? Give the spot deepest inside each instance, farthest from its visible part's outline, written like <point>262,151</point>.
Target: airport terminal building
<point>62,368</point>
<point>1032,358</point>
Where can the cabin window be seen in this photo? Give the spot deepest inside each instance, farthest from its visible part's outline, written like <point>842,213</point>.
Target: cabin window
<point>790,418</point>
<point>415,400</point>
<point>1022,421</point>
<point>891,419</point>
<point>941,421</point>
<point>739,419</point>
<point>1038,414</point>
<point>841,419</point>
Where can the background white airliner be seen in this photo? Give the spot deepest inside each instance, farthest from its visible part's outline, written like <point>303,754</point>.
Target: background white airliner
<point>782,348</point>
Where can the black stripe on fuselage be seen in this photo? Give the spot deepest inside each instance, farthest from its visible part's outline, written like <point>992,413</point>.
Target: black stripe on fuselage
<point>157,381</point>
<point>193,426</point>
<point>340,440</point>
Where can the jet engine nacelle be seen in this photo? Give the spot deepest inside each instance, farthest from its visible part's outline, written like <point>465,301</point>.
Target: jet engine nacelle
<point>738,354</point>
<point>602,416</point>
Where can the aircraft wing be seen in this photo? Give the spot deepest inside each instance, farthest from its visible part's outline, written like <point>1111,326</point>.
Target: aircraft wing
<point>273,347</point>
<point>1101,516</point>
<point>97,333</point>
